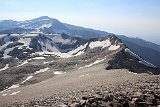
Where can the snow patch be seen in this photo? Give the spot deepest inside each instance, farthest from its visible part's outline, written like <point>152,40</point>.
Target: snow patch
<point>46,25</point>
<point>78,51</point>
<point>83,75</point>
<point>25,62</point>
<point>39,58</point>
<point>14,93</point>
<point>41,70</point>
<point>6,90</point>
<point>9,89</point>
<point>6,52</point>
<point>29,59</point>
<point>132,73</point>
<point>59,54</point>
<point>96,62</point>
<point>80,67</point>
<point>28,78</point>
<point>31,35</point>
<point>47,62</point>
<point>4,94</point>
<point>62,55</point>
<point>102,44</point>
<point>58,72</point>
<point>25,41</point>
<point>6,67</point>
<point>44,19</point>
<point>15,35</point>
<point>14,86</point>
<point>59,39</point>
<point>114,47</point>
<point>5,45</point>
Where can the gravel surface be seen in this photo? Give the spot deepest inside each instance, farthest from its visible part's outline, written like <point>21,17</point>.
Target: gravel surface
<point>141,93</point>
<point>90,87</point>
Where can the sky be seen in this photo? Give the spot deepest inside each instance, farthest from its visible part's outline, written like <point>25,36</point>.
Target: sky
<point>133,18</point>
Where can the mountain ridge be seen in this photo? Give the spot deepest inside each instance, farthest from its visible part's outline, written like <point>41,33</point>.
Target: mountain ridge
<point>49,25</point>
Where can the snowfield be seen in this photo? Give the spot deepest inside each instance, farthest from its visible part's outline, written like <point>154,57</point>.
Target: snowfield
<point>14,86</point>
<point>25,41</point>
<point>59,54</point>
<point>102,44</point>
<point>47,62</point>
<point>114,47</point>
<point>96,62</point>
<point>79,50</point>
<point>48,25</point>
<point>28,78</point>
<point>79,53</point>
<point>41,70</point>
<point>39,58</point>
<point>58,72</point>
<point>59,39</point>
<point>5,94</point>
<point>30,35</point>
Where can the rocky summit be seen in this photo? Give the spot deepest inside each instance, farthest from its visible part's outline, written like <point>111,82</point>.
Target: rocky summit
<point>46,63</point>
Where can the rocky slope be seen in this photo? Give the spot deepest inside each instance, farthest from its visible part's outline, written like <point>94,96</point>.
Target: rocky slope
<point>61,70</point>
<point>90,87</point>
<point>147,50</point>
<point>26,54</point>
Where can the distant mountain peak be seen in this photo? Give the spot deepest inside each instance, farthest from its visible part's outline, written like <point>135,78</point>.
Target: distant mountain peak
<point>44,17</point>
<point>41,18</point>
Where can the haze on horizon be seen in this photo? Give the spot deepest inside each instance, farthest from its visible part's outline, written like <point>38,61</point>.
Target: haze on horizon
<point>134,18</point>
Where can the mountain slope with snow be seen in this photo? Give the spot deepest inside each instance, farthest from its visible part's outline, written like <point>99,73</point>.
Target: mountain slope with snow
<point>31,59</point>
<point>147,50</point>
<point>46,24</point>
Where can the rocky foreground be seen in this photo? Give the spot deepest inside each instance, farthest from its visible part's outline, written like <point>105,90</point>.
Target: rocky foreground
<point>144,92</point>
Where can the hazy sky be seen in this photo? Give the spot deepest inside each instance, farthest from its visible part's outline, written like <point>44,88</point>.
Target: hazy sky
<point>136,18</point>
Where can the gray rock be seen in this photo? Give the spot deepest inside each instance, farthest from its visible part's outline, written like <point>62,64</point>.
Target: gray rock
<point>75,105</point>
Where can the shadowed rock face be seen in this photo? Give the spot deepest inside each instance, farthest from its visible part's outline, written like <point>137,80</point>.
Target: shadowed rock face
<point>124,60</point>
<point>147,50</point>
